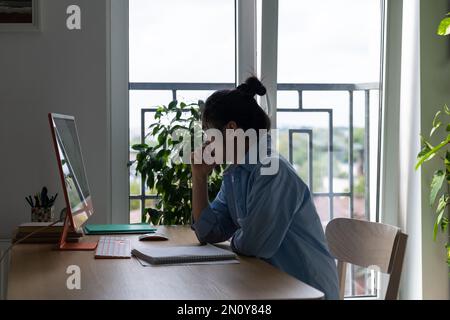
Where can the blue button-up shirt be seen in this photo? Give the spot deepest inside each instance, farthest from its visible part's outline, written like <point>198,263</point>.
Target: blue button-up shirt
<point>271,217</point>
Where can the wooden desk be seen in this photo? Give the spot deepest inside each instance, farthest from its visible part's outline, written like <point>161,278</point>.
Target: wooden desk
<point>38,272</point>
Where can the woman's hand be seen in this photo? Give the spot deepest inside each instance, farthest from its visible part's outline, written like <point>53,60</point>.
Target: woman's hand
<point>199,168</point>
<point>200,174</point>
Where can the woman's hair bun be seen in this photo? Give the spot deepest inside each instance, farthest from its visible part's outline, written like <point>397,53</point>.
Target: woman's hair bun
<point>252,87</point>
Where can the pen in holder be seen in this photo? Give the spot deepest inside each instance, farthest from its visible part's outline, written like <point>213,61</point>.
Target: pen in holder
<point>42,209</point>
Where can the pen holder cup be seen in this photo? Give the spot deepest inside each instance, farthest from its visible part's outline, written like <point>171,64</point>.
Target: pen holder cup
<point>42,214</point>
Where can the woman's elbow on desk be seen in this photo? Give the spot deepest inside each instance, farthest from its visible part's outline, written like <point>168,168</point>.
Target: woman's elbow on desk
<point>210,237</point>
<point>248,249</point>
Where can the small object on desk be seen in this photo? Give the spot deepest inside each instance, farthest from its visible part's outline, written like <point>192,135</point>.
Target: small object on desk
<point>157,236</point>
<point>113,248</point>
<point>42,206</point>
<point>98,229</point>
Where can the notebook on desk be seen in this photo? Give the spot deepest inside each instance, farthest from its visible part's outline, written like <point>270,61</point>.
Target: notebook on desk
<point>100,229</point>
<point>183,254</point>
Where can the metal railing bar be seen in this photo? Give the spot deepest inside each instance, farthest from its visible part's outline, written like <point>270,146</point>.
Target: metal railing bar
<point>309,133</point>
<point>142,179</point>
<point>174,95</point>
<point>334,195</point>
<point>300,99</point>
<point>366,155</point>
<point>282,86</point>
<point>327,86</point>
<point>180,86</point>
<point>351,166</point>
<point>351,162</point>
<point>331,163</point>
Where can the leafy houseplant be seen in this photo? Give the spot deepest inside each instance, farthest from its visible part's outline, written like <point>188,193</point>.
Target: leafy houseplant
<point>442,151</point>
<point>441,177</point>
<point>157,163</point>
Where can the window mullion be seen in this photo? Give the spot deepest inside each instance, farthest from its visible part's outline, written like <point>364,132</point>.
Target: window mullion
<point>269,56</point>
<point>246,36</point>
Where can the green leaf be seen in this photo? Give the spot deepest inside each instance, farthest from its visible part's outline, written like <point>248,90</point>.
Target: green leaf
<point>425,142</point>
<point>424,151</point>
<point>139,147</point>
<point>443,202</point>
<point>447,110</point>
<point>195,113</point>
<point>433,130</point>
<point>178,127</point>
<point>150,180</point>
<point>432,152</point>
<point>444,224</point>
<point>436,119</point>
<point>426,147</point>
<point>444,27</point>
<point>153,125</point>
<point>435,231</point>
<point>154,215</point>
<point>173,105</point>
<point>436,185</point>
<point>155,130</point>
<point>436,123</point>
<point>448,255</point>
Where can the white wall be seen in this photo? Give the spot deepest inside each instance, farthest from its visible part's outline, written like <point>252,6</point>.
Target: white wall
<point>55,70</point>
<point>435,92</point>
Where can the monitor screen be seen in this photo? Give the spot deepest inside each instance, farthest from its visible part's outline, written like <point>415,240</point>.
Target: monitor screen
<point>73,173</point>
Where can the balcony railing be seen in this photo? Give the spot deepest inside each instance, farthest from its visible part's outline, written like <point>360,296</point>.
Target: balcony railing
<point>367,88</point>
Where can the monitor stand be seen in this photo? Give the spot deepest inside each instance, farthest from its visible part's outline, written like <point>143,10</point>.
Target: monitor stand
<point>76,246</point>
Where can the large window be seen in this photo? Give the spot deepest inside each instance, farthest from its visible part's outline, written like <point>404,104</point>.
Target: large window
<point>329,62</point>
<point>179,49</point>
<point>328,97</point>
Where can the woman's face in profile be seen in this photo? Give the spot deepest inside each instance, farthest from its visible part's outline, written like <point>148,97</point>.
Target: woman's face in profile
<point>209,139</point>
<point>224,131</point>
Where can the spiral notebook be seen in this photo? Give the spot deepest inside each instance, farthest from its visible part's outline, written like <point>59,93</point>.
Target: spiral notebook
<point>183,255</point>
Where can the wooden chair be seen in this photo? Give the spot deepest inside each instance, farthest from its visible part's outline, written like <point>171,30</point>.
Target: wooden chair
<point>367,244</point>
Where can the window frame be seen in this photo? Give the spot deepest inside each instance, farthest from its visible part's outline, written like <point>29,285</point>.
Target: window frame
<point>246,49</point>
<point>117,61</point>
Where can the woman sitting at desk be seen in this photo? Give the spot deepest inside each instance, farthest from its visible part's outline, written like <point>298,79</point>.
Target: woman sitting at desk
<point>269,216</point>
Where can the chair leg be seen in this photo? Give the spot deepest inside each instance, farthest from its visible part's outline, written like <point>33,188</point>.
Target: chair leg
<point>342,272</point>
<point>396,266</point>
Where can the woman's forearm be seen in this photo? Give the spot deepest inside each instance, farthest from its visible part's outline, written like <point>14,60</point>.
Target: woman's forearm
<point>199,195</point>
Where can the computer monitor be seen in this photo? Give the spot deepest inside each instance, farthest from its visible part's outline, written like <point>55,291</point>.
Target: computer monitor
<point>79,207</point>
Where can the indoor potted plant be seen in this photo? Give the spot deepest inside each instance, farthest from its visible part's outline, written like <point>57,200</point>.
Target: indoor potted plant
<point>161,172</point>
<point>439,192</point>
<point>441,177</point>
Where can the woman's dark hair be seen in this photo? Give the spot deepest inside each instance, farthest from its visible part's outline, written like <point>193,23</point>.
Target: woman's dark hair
<point>238,105</point>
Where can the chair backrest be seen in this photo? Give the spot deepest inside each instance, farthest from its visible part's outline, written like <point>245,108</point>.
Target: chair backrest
<point>367,244</point>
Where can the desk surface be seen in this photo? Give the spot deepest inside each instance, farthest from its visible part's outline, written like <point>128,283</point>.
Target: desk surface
<point>39,272</point>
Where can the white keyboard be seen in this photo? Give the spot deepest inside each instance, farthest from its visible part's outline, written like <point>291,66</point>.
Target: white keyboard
<point>113,248</point>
